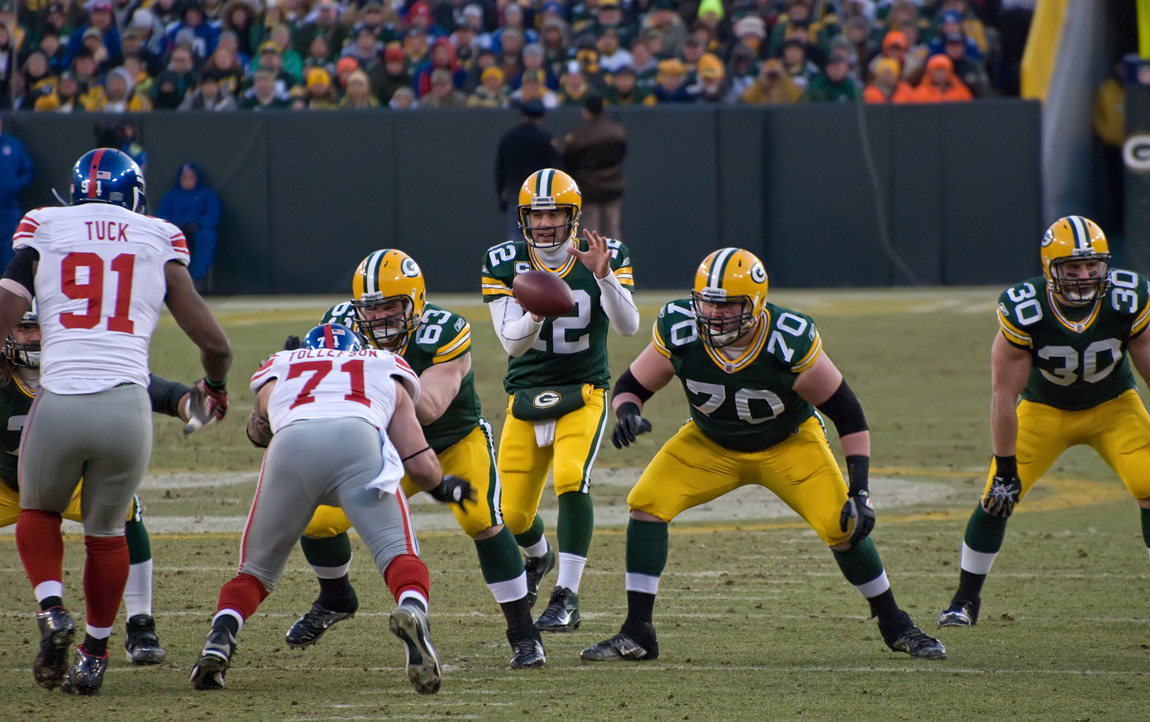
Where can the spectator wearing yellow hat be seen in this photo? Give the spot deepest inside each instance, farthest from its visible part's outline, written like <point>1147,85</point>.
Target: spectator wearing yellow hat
<point>492,91</point>
<point>318,92</point>
<point>887,86</point>
<point>671,82</point>
<point>711,84</point>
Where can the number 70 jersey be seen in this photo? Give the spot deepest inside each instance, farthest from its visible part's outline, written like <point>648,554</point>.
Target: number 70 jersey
<point>1077,362</point>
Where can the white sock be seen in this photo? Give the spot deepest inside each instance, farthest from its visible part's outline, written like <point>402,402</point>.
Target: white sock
<point>415,597</point>
<point>47,589</point>
<point>976,562</point>
<point>138,591</point>
<point>229,613</point>
<point>570,570</point>
<point>537,549</point>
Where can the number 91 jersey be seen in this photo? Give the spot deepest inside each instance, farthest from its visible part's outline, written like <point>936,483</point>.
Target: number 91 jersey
<point>746,404</point>
<point>1080,361</point>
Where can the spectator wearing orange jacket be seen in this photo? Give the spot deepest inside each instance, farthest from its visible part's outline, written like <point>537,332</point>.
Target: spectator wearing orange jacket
<point>940,84</point>
<point>887,87</point>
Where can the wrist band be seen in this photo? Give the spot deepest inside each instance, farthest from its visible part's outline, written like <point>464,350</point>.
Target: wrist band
<point>216,385</point>
<point>426,448</point>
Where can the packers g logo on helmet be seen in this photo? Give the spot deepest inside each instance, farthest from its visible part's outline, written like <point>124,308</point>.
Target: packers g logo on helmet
<point>729,276</point>
<point>545,190</point>
<point>388,277</point>
<point>1075,239</point>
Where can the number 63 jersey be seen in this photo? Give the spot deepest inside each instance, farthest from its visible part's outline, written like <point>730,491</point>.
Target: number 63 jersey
<point>746,404</point>
<point>1078,361</point>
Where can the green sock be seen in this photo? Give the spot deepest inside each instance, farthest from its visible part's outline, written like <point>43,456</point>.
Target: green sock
<point>1146,527</point>
<point>533,535</point>
<point>984,533</point>
<point>576,523</point>
<point>139,546</point>
<point>859,564</point>
<point>332,551</point>
<point>646,547</point>
<point>499,557</point>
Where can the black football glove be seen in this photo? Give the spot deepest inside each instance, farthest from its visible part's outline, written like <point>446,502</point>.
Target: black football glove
<point>858,506</point>
<point>291,343</point>
<point>1005,488</point>
<point>453,490</point>
<point>630,425</point>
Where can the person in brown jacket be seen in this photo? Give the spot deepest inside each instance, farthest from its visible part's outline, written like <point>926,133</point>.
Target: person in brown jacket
<point>772,86</point>
<point>593,154</point>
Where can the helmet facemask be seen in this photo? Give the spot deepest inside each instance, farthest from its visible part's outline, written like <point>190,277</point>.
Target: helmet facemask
<point>1080,290</point>
<point>388,332</point>
<point>563,232</point>
<point>23,355</point>
<point>719,331</point>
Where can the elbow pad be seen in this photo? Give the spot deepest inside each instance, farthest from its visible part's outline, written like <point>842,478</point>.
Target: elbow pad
<point>628,384</point>
<point>844,410</point>
<point>165,395</point>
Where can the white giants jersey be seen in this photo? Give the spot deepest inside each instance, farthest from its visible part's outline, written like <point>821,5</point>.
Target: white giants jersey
<point>327,384</point>
<point>99,288</point>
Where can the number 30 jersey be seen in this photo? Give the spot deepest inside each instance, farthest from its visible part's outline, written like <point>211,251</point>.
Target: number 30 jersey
<point>745,404</point>
<point>1078,361</point>
<point>327,384</point>
<point>571,349</point>
<point>99,287</point>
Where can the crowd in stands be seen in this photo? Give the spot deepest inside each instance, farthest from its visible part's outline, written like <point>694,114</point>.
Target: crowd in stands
<point>140,55</point>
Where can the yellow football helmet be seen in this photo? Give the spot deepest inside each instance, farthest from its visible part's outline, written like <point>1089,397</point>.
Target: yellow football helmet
<point>388,276</point>
<point>546,189</point>
<point>1070,240</point>
<point>729,276</point>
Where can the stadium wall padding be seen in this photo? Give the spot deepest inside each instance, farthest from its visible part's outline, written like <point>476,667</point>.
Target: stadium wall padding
<point>307,195</point>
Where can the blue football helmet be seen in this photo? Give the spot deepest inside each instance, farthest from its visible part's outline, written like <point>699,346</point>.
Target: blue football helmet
<point>107,175</point>
<point>334,337</point>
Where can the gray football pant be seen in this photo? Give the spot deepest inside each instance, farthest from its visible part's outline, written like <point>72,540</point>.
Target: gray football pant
<point>103,438</point>
<point>323,461</point>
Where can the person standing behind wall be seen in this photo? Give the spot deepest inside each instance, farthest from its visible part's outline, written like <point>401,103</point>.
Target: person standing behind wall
<point>522,150</point>
<point>15,175</point>
<point>194,208</point>
<point>593,153</point>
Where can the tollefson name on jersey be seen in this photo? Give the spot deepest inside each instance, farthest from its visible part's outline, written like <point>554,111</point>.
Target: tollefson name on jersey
<point>312,353</point>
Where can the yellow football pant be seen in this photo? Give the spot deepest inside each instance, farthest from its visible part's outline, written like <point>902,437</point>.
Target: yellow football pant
<point>472,458</point>
<point>523,464</point>
<point>10,506</point>
<point>1118,429</point>
<point>691,470</point>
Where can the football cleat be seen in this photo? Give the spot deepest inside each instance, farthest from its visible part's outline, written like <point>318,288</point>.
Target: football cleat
<point>310,627</point>
<point>142,644</point>
<point>86,675</point>
<point>410,625</point>
<point>214,659</point>
<point>537,568</point>
<point>623,647</point>
<point>903,636</point>
<point>527,650</point>
<point>562,612</point>
<point>960,614</point>
<point>57,630</point>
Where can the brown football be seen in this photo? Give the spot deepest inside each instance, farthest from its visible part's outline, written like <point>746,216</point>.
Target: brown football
<point>542,293</point>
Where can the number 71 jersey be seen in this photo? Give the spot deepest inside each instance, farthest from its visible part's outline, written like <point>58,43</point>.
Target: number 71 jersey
<point>747,403</point>
<point>1077,362</point>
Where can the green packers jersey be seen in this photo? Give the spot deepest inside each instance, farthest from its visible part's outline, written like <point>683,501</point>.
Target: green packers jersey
<point>571,349</point>
<point>1078,355</point>
<point>15,401</point>
<point>442,336</point>
<point>747,403</point>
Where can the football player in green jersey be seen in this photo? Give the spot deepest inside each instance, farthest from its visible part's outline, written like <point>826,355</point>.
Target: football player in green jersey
<point>754,373</point>
<point>389,308</point>
<point>1063,346</point>
<point>19,383</point>
<point>557,379</point>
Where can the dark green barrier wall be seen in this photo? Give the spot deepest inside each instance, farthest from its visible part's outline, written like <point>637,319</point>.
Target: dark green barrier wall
<point>306,196</point>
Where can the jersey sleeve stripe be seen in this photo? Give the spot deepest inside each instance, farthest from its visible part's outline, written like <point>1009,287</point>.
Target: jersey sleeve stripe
<point>1141,322</point>
<point>813,355</point>
<point>656,339</point>
<point>460,345</point>
<point>1013,333</point>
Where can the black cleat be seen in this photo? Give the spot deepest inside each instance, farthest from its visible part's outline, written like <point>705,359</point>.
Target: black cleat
<point>623,647</point>
<point>537,568</point>
<point>310,627</point>
<point>57,630</point>
<point>142,644</point>
<point>562,612</point>
<point>411,626</point>
<point>903,636</point>
<point>217,653</point>
<point>527,649</point>
<point>86,675</point>
<point>960,613</point>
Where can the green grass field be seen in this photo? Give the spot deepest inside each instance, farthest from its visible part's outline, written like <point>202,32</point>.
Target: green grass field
<point>755,621</point>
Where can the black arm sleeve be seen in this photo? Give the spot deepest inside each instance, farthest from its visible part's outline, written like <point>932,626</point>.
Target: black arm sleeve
<point>628,384</point>
<point>166,395</point>
<point>20,268</point>
<point>844,410</point>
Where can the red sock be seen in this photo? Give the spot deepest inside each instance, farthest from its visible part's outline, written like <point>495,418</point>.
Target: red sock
<point>41,545</point>
<point>105,574</point>
<point>407,572</point>
<point>242,594</point>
